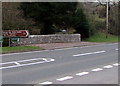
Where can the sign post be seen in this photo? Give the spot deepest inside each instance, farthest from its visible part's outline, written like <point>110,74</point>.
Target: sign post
<point>15,39</point>
<point>14,35</point>
<point>9,42</point>
<point>1,40</point>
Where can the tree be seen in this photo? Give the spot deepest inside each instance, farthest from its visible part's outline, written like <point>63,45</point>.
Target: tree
<point>82,25</point>
<point>113,19</point>
<point>48,13</point>
<point>55,16</point>
<point>11,17</point>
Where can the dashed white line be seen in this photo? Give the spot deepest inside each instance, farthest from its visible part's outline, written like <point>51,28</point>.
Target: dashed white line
<point>46,83</point>
<point>64,78</point>
<point>97,69</point>
<point>79,74</point>
<point>116,64</point>
<point>82,73</point>
<point>108,66</point>
<point>90,53</point>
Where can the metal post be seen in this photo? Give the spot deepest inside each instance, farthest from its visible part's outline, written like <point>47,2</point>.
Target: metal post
<point>0,44</point>
<point>9,41</point>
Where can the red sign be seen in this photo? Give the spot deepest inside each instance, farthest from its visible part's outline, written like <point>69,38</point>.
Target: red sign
<point>15,33</point>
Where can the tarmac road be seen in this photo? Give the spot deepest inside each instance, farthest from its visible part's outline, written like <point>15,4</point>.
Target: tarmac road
<point>96,64</point>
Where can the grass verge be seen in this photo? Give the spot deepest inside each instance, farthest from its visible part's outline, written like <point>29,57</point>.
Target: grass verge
<point>101,37</point>
<point>18,49</point>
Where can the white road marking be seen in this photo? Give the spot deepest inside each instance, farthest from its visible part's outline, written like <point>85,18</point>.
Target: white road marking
<point>45,60</point>
<point>64,78</point>
<point>55,49</point>
<point>97,69</point>
<point>46,83</point>
<point>24,60</point>
<point>66,48</point>
<point>116,49</point>
<point>23,53</point>
<point>116,64</point>
<point>90,53</point>
<point>108,66</point>
<point>82,73</point>
<point>17,63</point>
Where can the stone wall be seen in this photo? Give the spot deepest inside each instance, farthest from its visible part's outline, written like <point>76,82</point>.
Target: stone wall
<point>55,38</point>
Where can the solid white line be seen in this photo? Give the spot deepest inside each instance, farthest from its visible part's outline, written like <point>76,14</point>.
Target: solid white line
<point>24,53</point>
<point>24,60</point>
<point>46,83</point>
<point>82,73</point>
<point>51,60</point>
<point>66,48</point>
<point>56,49</point>
<point>99,45</point>
<point>23,65</point>
<point>32,59</point>
<point>97,69</point>
<point>108,66</point>
<point>90,53</point>
<point>48,59</point>
<point>17,63</point>
<point>64,78</point>
<point>116,64</point>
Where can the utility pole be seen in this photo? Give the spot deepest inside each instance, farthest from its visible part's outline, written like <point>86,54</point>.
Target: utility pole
<point>107,18</point>
<point>107,15</point>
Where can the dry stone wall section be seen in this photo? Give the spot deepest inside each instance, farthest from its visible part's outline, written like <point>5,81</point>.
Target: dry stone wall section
<point>55,38</point>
